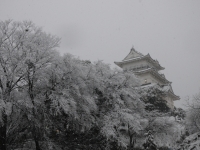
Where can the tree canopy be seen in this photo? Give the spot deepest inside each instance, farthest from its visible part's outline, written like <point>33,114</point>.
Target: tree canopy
<point>49,101</point>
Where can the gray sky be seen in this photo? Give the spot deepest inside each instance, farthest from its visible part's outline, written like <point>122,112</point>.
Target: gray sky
<point>169,30</point>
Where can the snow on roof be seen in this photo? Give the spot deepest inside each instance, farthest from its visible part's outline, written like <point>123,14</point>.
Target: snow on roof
<point>148,85</point>
<point>133,53</point>
<point>155,62</point>
<point>155,73</point>
<point>143,70</point>
<point>135,58</point>
<point>128,60</point>
<point>166,88</point>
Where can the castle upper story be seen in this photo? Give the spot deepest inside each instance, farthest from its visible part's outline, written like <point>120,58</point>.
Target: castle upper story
<point>148,71</point>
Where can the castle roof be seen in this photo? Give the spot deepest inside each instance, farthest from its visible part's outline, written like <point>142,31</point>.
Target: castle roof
<point>151,69</point>
<point>168,90</point>
<point>134,56</point>
<point>154,73</point>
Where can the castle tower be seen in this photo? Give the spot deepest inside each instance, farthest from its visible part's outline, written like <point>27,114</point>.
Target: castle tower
<point>147,70</point>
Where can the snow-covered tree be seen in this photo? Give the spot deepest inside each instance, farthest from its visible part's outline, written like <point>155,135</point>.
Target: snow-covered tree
<point>92,94</point>
<point>193,114</point>
<point>50,99</point>
<point>24,51</point>
<point>153,97</point>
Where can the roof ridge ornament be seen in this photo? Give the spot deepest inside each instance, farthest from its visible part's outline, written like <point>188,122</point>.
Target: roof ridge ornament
<point>133,49</point>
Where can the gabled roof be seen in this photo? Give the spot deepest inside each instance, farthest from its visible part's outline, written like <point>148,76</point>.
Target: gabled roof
<point>175,97</point>
<point>168,90</point>
<point>154,62</point>
<point>135,56</point>
<point>154,73</point>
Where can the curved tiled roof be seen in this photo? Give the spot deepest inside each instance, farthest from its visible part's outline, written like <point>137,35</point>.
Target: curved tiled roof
<point>168,90</point>
<point>154,72</point>
<point>147,57</point>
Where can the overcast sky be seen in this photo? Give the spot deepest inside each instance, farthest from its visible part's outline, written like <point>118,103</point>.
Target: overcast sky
<point>169,30</point>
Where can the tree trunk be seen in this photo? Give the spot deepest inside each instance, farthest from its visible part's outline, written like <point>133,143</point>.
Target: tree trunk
<point>132,142</point>
<point>3,133</point>
<point>37,145</point>
<point>3,128</point>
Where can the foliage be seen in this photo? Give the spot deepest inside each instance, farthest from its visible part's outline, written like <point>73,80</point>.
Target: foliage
<point>92,139</point>
<point>164,148</point>
<point>190,142</point>
<point>25,52</point>
<point>48,101</point>
<point>153,97</point>
<point>193,114</point>
<point>179,113</point>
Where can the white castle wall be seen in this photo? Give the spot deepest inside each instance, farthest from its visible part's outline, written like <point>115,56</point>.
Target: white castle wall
<point>145,78</point>
<point>149,79</point>
<point>139,63</point>
<point>170,102</point>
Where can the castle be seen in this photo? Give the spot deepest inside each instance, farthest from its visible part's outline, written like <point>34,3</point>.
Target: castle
<point>147,70</point>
